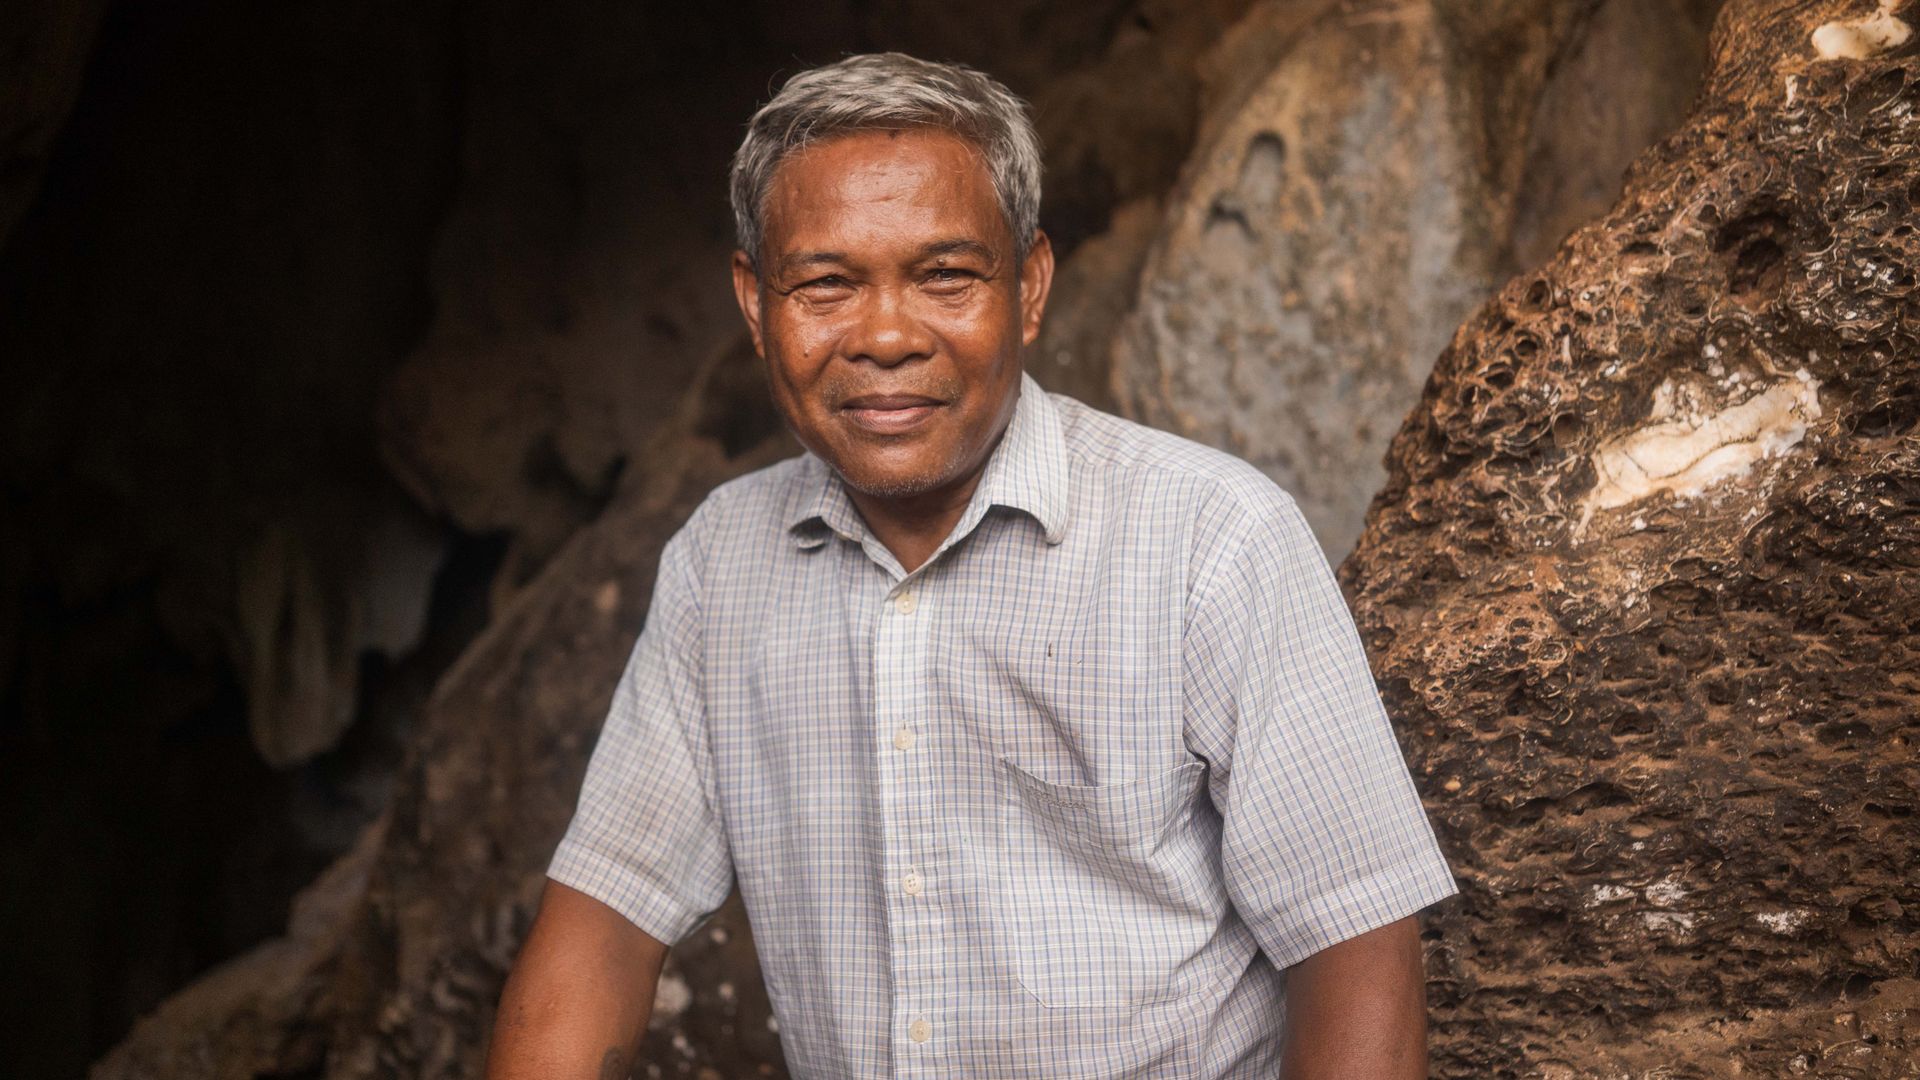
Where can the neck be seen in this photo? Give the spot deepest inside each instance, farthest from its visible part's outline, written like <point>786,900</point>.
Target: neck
<point>913,527</point>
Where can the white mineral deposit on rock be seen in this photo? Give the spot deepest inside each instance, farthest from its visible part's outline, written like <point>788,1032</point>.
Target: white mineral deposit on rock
<point>1667,921</point>
<point>1782,922</point>
<point>1606,894</point>
<point>1863,38</point>
<point>1666,892</point>
<point>1684,450</point>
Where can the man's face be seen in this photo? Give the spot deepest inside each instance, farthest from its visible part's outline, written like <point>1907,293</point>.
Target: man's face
<point>889,310</point>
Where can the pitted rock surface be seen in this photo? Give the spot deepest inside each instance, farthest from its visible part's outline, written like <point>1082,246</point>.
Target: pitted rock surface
<point>1342,215</point>
<point>1642,590</point>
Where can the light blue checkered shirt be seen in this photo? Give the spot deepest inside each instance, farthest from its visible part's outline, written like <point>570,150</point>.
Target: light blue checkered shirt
<point>1063,802</point>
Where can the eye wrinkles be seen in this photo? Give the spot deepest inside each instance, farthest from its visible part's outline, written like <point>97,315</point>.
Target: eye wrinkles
<point>946,268</point>
<point>947,284</point>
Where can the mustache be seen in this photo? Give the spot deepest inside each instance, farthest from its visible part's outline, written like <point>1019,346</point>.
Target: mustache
<point>837,393</point>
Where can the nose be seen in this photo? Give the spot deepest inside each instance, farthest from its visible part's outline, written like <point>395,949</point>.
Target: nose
<point>888,333</point>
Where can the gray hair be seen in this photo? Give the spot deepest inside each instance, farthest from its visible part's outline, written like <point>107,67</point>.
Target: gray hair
<point>889,91</point>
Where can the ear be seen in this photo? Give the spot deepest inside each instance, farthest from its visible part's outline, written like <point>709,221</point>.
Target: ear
<point>746,293</point>
<point>1036,281</point>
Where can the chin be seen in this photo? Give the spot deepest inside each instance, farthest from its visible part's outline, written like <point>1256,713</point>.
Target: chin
<point>904,469</point>
<point>888,484</point>
<point>905,476</point>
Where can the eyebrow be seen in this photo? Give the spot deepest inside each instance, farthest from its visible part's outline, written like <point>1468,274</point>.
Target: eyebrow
<point>790,263</point>
<point>959,246</point>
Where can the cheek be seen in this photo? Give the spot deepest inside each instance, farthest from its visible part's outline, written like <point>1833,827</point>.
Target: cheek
<point>974,330</point>
<point>799,347</point>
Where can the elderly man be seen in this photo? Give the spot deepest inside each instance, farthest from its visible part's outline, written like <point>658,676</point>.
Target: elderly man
<point>1040,743</point>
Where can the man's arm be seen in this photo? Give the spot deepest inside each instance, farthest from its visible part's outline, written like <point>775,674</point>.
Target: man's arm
<point>1357,1010</point>
<point>580,994</point>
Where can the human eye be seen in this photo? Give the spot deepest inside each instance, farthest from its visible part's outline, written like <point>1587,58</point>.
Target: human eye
<point>949,280</point>
<point>824,287</point>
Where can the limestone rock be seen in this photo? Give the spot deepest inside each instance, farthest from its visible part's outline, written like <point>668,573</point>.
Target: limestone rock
<point>1346,209</point>
<point>1092,291</point>
<point>577,287</point>
<point>1641,590</point>
<point>317,594</point>
<point>401,975</point>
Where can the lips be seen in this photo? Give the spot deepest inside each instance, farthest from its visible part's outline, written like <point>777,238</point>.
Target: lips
<point>889,414</point>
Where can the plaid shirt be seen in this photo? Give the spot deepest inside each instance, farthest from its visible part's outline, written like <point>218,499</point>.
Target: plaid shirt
<point>1063,802</point>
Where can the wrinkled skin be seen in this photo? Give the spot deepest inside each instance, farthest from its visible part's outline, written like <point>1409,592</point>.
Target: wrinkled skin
<point>890,311</point>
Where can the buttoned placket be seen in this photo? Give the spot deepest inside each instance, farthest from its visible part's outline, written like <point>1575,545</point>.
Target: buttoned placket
<point>919,854</point>
<point>915,852</point>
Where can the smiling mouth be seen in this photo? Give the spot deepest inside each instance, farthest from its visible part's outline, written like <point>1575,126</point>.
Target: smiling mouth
<point>890,414</point>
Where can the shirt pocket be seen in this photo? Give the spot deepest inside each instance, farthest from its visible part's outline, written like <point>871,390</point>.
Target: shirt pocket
<point>1106,889</point>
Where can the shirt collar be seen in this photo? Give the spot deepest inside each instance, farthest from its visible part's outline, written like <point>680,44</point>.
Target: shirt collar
<point>1028,472</point>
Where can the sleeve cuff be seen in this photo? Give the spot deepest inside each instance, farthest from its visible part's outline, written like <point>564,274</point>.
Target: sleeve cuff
<point>658,913</point>
<point>1355,908</point>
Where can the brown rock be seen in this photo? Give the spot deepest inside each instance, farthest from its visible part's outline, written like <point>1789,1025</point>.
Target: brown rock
<point>401,975</point>
<point>1641,591</point>
<point>1346,208</point>
<point>1092,291</point>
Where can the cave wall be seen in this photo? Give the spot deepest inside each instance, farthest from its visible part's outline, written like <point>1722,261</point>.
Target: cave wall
<point>1642,592</point>
<point>198,300</point>
<point>352,387</point>
<point>322,331</point>
<point>1388,167</point>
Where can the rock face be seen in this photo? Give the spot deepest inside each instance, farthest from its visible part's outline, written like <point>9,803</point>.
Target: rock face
<point>1344,212</point>
<point>578,285</point>
<point>393,962</point>
<point>1642,590</point>
<point>1636,586</point>
<point>327,325</point>
<point>581,267</point>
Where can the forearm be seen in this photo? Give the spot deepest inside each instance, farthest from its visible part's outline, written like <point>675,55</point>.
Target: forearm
<point>578,999</point>
<point>1358,1010</point>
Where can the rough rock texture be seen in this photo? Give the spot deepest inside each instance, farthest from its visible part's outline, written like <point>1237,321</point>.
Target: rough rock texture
<point>196,311</point>
<point>1642,590</point>
<point>567,295</point>
<point>1092,292</point>
<point>1343,212</point>
<point>544,407</point>
<point>394,962</point>
<point>329,324</point>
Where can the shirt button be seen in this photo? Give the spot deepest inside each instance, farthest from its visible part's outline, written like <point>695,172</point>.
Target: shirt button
<point>918,1031</point>
<point>911,883</point>
<point>903,739</point>
<point>905,602</point>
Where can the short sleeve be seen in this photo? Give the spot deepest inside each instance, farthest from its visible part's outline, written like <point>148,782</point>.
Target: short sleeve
<point>645,838</point>
<point>1323,835</point>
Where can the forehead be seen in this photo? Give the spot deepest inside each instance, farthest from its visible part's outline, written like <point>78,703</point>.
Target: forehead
<point>882,189</point>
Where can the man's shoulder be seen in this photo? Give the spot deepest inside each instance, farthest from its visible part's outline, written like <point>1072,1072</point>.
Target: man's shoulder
<point>758,499</point>
<point>749,509</point>
<point>764,492</point>
<point>1126,453</point>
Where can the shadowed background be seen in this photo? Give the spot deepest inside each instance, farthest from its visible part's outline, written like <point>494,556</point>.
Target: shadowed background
<point>356,359</point>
